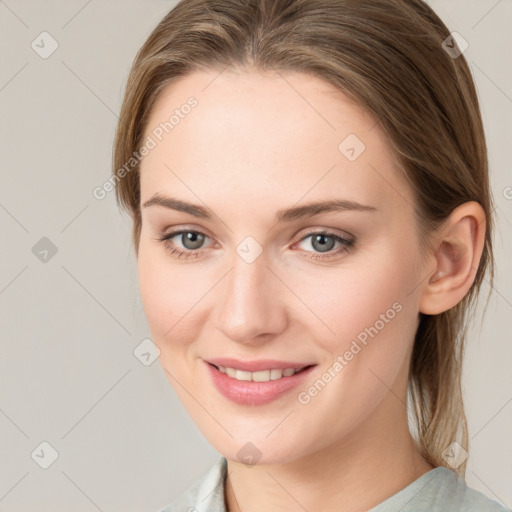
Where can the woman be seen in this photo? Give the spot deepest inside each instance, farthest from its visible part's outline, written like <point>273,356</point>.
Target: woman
<point>311,210</point>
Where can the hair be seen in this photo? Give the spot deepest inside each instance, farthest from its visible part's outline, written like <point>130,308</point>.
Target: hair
<point>388,57</point>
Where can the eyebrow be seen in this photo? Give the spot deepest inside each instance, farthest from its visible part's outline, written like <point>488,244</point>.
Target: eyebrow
<point>285,215</point>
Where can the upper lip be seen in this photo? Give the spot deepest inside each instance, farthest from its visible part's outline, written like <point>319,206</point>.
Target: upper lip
<point>255,366</point>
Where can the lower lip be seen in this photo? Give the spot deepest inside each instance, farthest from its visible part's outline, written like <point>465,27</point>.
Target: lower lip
<point>246,392</point>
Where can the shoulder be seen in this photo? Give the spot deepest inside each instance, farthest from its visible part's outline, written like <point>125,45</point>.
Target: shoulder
<point>453,490</point>
<point>206,493</point>
<point>474,500</point>
<point>439,490</point>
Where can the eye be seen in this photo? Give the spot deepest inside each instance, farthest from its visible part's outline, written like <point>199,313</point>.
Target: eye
<point>191,240</point>
<point>324,242</point>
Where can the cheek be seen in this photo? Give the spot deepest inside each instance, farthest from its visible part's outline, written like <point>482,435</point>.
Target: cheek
<point>374,318</point>
<point>169,293</point>
<point>367,294</point>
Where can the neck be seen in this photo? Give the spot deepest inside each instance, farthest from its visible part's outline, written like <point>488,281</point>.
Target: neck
<point>375,461</point>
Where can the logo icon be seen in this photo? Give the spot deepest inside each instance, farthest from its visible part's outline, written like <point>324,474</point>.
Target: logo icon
<point>44,45</point>
<point>44,455</point>
<point>351,147</point>
<point>454,455</point>
<point>146,352</point>
<point>455,45</point>
<point>44,250</point>
<point>249,454</point>
<point>249,249</point>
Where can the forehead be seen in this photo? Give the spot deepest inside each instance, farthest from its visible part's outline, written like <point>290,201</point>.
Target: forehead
<point>254,133</point>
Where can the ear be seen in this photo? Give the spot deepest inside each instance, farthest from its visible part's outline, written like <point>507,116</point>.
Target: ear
<point>457,249</point>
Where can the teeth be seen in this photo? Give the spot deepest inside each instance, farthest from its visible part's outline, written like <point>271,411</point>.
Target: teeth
<point>261,376</point>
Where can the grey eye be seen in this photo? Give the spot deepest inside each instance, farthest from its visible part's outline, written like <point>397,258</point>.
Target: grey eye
<point>322,242</point>
<point>191,240</point>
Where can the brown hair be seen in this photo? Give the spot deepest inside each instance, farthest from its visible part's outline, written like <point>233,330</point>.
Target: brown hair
<point>388,56</point>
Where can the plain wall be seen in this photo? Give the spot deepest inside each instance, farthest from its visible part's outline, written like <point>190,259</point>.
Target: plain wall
<point>70,323</point>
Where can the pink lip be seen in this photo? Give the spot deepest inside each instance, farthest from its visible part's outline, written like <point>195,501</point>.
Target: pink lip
<point>256,393</point>
<point>256,366</point>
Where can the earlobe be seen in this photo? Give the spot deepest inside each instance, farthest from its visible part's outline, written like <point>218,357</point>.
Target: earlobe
<point>457,254</point>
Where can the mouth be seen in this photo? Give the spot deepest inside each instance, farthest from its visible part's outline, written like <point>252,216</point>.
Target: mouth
<point>259,387</point>
<point>261,375</point>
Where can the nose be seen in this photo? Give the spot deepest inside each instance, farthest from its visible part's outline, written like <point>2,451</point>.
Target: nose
<point>251,307</point>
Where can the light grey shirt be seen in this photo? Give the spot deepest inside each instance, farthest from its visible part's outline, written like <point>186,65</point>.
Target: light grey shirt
<point>439,490</point>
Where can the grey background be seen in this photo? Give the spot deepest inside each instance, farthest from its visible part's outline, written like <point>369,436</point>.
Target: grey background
<point>70,324</point>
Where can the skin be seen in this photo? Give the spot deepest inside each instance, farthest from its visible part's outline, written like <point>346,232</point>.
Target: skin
<point>256,143</point>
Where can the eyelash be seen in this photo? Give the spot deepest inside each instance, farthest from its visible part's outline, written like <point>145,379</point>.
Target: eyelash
<point>185,254</point>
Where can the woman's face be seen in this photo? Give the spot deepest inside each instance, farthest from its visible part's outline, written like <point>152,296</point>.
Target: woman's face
<point>261,284</point>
